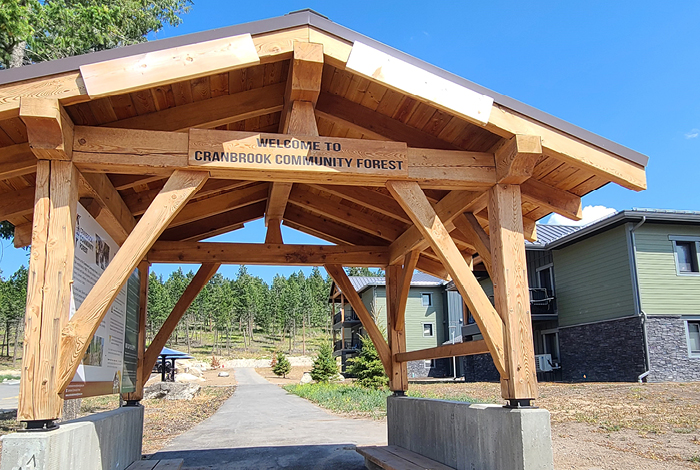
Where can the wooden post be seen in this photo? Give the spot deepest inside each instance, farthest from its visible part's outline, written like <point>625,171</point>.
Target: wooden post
<point>76,335</point>
<point>398,379</point>
<point>49,290</point>
<point>511,293</point>
<point>141,376</point>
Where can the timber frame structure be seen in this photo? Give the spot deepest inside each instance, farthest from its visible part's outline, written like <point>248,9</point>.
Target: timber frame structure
<point>165,143</point>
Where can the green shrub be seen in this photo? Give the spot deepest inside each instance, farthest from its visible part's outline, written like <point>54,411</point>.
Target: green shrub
<point>343,398</point>
<point>367,367</point>
<point>325,366</point>
<point>283,367</point>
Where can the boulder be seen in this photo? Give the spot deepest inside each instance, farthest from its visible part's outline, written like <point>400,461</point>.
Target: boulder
<point>171,391</point>
<point>196,371</point>
<point>306,378</point>
<point>223,374</point>
<point>338,378</point>
<point>182,377</point>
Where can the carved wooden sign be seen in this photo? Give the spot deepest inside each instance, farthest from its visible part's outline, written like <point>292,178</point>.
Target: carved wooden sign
<point>232,150</point>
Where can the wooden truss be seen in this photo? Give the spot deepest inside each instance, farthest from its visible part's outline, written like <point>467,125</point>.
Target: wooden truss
<point>401,169</point>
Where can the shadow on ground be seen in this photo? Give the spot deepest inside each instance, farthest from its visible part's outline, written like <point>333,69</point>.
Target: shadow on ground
<point>307,457</point>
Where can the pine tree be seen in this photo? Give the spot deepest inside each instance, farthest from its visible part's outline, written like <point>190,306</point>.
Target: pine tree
<point>283,367</point>
<point>367,368</point>
<point>325,367</point>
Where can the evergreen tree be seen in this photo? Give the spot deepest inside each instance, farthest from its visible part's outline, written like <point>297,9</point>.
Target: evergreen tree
<point>367,368</point>
<point>355,271</point>
<point>325,367</point>
<point>283,367</point>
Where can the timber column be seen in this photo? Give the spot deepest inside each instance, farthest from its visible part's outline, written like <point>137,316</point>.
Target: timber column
<point>50,134</point>
<point>511,293</point>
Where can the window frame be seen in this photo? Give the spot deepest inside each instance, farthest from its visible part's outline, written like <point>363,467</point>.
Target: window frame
<point>430,295</point>
<point>432,329</point>
<point>692,241</point>
<point>550,268</point>
<point>428,363</point>
<point>691,354</point>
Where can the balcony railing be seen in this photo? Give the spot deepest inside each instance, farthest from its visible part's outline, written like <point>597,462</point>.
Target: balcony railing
<point>349,317</point>
<point>347,345</point>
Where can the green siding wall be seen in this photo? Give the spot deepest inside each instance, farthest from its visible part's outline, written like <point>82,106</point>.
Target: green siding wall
<point>416,315</point>
<point>593,279</point>
<point>661,289</point>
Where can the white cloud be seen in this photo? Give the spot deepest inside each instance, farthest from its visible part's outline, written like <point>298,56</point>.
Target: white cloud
<point>590,214</point>
<point>694,133</point>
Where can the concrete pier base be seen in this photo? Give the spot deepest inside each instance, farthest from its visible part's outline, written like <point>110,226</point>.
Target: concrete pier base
<point>468,437</point>
<point>103,441</point>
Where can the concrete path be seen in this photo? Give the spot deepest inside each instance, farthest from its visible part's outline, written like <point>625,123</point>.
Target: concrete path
<point>263,427</point>
<point>9,393</point>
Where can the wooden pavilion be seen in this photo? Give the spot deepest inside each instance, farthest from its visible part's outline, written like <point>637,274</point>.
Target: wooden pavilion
<point>303,122</point>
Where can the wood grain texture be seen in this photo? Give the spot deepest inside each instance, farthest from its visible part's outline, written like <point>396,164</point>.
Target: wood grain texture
<point>470,228</point>
<point>557,200</point>
<point>142,71</point>
<point>516,158</point>
<point>469,348</point>
<point>29,404</point>
<point>396,326</point>
<point>115,217</point>
<point>23,235</point>
<point>267,254</point>
<point>404,286</point>
<point>200,279</point>
<point>65,87</point>
<point>511,291</point>
<point>16,160</point>
<point>417,206</point>
<point>338,275</point>
<point>49,128</point>
<point>76,335</point>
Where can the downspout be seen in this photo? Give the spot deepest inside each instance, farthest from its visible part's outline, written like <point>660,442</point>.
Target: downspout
<point>638,299</point>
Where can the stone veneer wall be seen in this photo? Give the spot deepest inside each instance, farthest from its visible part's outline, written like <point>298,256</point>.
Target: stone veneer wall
<point>668,351</point>
<point>479,368</point>
<point>609,351</point>
<point>417,369</point>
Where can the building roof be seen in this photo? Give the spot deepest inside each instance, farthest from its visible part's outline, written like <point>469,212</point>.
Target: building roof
<point>547,234</point>
<point>419,279</point>
<point>309,17</point>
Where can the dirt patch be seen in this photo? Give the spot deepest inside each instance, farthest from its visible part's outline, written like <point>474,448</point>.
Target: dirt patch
<point>292,378</point>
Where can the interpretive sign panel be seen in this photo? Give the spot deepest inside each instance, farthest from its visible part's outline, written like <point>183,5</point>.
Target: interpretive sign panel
<point>109,365</point>
<point>280,152</point>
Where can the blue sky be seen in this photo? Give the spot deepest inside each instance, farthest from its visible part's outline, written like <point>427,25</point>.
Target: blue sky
<point>628,71</point>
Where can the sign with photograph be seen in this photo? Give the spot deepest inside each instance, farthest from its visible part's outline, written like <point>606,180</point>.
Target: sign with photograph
<point>109,364</point>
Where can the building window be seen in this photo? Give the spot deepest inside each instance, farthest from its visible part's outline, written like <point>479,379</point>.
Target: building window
<point>428,363</point>
<point>426,299</point>
<point>545,279</point>
<point>693,330</point>
<point>427,330</point>
<point>686,256</point>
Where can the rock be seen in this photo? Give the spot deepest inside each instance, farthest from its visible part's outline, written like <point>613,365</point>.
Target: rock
<point>223,374</point>
<point>338,378</point>
<point>196,371</point>
<point>171,391</point>
<point>182,377</point>
<point>306,378</point>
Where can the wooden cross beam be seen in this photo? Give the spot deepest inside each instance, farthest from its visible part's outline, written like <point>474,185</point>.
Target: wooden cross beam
<point>115,217</point>
<point>17,160</point>
<point>215,224</point>
<point>468,348</point>
<point>204,274</point>
<point>268,254</point>
<point>49,128</point>
<point>76,335</point>
<point>337,273</point>
<point>470,228</point>
<point>516,158</point>
<point>417,206</point>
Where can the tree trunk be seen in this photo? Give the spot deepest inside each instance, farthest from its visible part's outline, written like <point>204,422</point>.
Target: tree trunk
<point>228,339</point>
<point>187,332</point>
<point>245,348</point>
<point>303,336</point>
<point>14,347</point>
<point>17,58</point>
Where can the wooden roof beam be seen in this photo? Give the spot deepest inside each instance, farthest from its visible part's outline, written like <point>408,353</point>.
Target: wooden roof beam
<point>138,72</point>
<point>327,229</point>
<point>267,254</point>
<point>216,224</point>
<point>49,128</point>
<point>210,113</point>
<point>368,198</point>
<point>516,158</point>
<point>115,217</point>
<point>555,199</point>
<point>375,125</point>
<point>472,230</point>
<point>16,160</point>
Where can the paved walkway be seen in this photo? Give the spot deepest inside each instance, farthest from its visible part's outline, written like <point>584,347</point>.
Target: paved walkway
<point>263,427</point>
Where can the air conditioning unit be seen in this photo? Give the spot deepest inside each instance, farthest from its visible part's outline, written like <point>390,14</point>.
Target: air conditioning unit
<point>544,362</point>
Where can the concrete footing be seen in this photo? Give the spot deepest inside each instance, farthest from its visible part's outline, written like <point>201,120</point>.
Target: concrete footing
<point>468,437</point>
<point>103,441</point>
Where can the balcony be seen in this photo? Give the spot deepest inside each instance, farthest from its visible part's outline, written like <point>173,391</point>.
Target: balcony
<point>351,319</point>
<point>348,346</point>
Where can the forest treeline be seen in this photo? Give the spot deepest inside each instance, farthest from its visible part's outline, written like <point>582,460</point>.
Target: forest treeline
<point>13,299</point>
<point>245,305</point>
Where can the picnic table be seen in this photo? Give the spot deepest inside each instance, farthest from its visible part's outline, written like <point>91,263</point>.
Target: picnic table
<point>167,354</point>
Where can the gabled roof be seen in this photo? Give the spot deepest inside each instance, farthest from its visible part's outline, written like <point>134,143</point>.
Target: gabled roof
<point>309,17</point>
